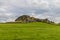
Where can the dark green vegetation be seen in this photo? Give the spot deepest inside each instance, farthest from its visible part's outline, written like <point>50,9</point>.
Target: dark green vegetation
<point>29,31</point>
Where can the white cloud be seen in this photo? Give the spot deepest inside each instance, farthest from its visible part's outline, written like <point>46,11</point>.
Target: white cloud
<point>2,9</point>
<point>8,14</point>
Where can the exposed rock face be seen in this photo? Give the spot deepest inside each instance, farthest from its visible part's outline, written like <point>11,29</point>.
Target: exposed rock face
<point>26,19</point>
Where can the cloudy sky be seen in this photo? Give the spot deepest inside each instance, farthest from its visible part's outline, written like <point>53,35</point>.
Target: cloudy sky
<point>11,9</point>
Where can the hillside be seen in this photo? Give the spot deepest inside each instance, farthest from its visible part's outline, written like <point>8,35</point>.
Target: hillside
<point>29,31</point>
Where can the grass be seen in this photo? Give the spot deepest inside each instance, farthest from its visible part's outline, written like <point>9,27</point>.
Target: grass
<point>29,31</point>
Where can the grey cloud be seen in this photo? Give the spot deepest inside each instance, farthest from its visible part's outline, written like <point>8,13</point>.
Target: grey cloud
<point>11,9</point>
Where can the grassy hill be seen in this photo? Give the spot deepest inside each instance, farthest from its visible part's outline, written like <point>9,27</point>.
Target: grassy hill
<point>29,31</point>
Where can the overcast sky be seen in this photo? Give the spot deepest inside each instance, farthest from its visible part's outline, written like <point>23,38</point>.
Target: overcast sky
<point>11,9</point>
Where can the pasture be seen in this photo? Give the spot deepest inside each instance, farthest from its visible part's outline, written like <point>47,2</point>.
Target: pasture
<point>29,31</point>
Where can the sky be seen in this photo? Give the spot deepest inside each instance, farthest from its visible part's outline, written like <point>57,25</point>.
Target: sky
<point>11,9</point>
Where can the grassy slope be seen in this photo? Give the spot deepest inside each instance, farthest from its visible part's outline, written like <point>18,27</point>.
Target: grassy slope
<point>30,31</point>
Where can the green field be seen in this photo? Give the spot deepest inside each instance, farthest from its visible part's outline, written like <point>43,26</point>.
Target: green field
<point>29,31</point>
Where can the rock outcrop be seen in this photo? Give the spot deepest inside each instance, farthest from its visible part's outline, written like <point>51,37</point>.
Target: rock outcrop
<point>26,19</point>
